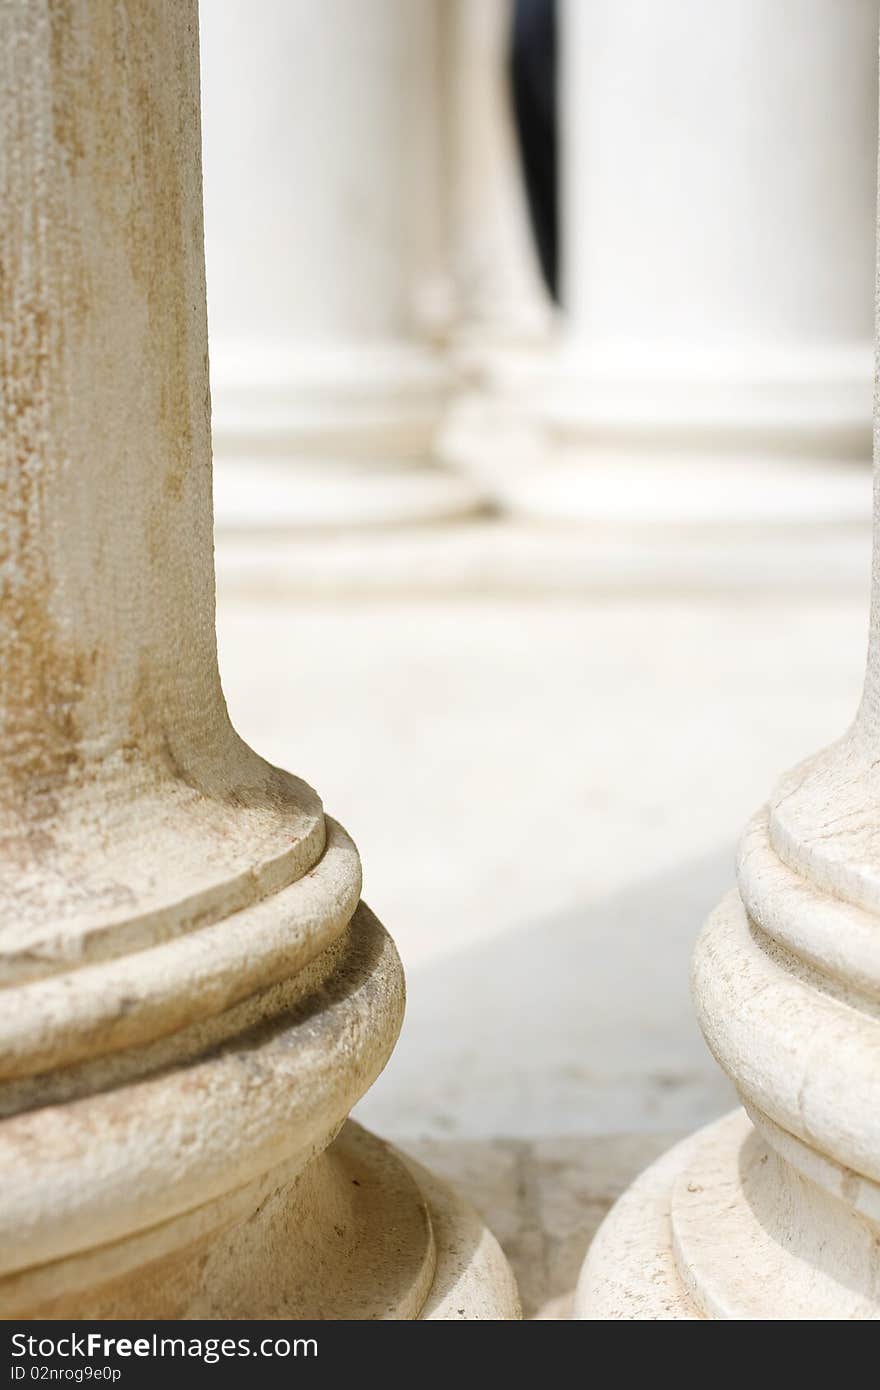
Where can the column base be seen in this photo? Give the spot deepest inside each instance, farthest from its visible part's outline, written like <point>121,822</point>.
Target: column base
<point>361,1234</point>
<point>309,437</point>
<point>258,498</point>
<point>683,438</point>
<point>670,490</point>
<point>472,1280</point>
<point>722,1228</point>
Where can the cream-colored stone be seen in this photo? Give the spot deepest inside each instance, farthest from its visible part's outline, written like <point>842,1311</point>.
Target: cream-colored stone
<point>775,1213</point>
<point>193,997</point>
<point>472,1279</point>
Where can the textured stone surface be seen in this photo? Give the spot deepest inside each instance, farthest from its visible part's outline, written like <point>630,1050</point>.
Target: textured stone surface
<point>193,996</point>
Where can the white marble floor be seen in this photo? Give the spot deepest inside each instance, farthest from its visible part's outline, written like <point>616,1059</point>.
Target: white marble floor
<point>546,792</point>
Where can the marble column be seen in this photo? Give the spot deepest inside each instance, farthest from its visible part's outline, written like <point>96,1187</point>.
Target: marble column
<point>193,996</point>
<point>321,215</point>
<point>774,1211</point>
<point>718,196</point>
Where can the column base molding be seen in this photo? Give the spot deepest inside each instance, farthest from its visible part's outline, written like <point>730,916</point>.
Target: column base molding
<point>722,1227</point>
<point>253,497</point>
<point>307,438</point>
<point>361,1233</point>
<point>679,489</point>
<point>755,438</point>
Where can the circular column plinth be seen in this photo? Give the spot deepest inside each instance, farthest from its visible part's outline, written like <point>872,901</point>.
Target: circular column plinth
<point>361,1234</point>
<point>721,1227</point>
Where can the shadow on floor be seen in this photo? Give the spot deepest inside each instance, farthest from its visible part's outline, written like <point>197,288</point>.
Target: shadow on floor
<point>581,1024</point>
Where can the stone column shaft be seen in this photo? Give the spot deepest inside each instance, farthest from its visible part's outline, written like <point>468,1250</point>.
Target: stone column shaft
<point>192,995</point>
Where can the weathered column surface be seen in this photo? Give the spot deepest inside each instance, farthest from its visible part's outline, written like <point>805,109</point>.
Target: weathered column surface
<point>774,1211</point>
<point>191,996</point>
<point>320,180</point>
<point>718,211</point>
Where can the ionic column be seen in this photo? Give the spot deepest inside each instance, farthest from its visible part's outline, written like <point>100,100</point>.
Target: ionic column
<point>718,192</point>
<point>320,209</point>
<point>774,1211</point>
<point>191,995</point>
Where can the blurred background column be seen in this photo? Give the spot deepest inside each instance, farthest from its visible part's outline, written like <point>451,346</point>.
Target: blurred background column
<point>319,213</point>
<point>503,318</point>
<point>501,300</point>
<point>718,172</point>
